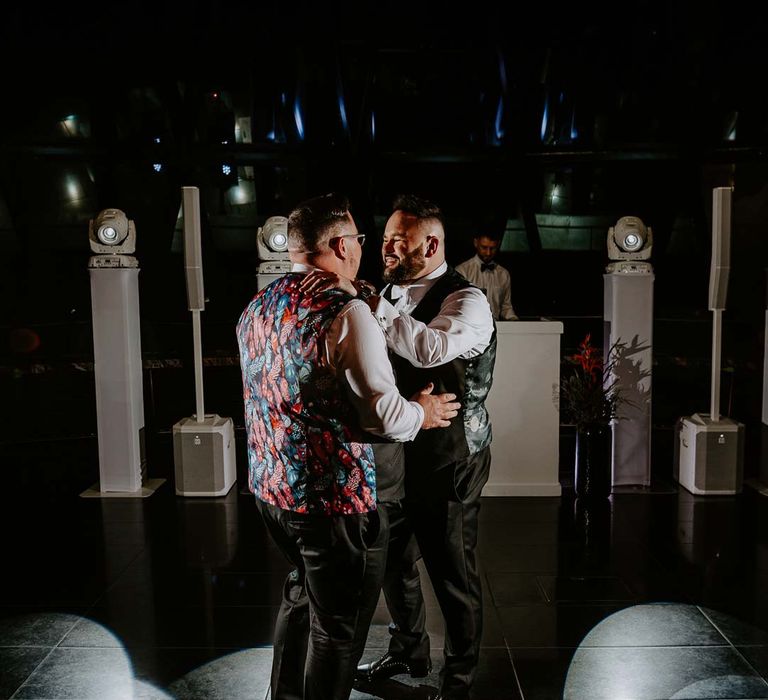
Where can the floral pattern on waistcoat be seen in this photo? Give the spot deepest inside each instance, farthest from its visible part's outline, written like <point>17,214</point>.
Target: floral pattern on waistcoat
<point>305,452</point>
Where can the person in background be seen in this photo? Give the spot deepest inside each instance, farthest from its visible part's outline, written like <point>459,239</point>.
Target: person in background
<point>484,272</point>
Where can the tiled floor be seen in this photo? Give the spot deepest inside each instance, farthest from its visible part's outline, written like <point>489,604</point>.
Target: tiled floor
<point>650,595</point>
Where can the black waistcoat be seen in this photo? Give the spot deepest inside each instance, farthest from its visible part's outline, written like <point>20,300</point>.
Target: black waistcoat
<point>470,380</point>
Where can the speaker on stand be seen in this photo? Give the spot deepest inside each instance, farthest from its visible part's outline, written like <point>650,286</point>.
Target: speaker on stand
<point>203,444</point>
<point>710,451</point>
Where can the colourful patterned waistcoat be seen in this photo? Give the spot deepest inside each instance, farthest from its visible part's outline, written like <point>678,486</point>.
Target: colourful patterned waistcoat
<point>305,451</point>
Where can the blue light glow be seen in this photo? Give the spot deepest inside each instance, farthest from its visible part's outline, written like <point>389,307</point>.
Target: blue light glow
<point>226,169</point>
<point>373,126</point>
<point>499,116</point>
<point>545,119</point>
<point>158,167</point>
<point>502,72</point>
<point>298,119</point>
<point>342,105</point>
<point>574,130</point>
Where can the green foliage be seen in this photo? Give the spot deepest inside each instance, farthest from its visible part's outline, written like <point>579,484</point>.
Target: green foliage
<point>589,395</point>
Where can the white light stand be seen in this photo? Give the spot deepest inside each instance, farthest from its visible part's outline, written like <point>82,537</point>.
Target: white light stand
<point>203,445</point>
<point>118,375</point>
<point>710,450</point>
<point>628,318</point>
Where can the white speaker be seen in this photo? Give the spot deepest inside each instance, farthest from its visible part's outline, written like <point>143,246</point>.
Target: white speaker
<point>204,456</point>
<point>193,256</point>
<point>721,247</point>
<point>709,455</point>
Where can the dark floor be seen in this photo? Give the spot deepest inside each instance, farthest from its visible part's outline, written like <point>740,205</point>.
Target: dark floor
<point>651,595</point>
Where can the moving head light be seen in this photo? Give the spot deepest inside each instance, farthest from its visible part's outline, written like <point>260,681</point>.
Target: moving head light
<point>112,233</point>
<point>272,239</point>
<point>629,239</point>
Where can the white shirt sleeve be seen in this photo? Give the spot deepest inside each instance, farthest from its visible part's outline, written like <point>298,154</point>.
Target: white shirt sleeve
<point>357,352</point>
<point>463,328</point>
<point>507,313</point>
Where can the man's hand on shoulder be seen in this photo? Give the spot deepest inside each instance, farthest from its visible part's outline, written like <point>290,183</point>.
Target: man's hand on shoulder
<point>319,281</point>
<point>366,291</point>
<point>438,408</point>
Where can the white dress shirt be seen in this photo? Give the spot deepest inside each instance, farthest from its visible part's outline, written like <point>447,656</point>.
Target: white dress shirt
<point>355,349</point>
<point>463,328</point>
<point>496,284</point>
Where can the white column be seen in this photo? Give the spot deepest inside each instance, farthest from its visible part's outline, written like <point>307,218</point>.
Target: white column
<point>117,366</point>
<point>628,316</point>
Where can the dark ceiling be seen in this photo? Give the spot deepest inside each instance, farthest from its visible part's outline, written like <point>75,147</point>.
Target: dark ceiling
<point>547,120</point>
<point>628,76</point>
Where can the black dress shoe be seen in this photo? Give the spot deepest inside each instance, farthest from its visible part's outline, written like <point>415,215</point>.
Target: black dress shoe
<point>390,665</point>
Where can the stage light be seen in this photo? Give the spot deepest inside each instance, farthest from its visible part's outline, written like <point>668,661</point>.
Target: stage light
<point>272,239</point>
<point>630,239</point>
<point>272,245</point>
<point>112,233</point>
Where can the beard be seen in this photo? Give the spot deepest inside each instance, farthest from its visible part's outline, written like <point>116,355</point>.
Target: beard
<point>408,268</point>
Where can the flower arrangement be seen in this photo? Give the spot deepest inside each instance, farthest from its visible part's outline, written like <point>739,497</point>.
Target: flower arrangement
<point>589,395</point>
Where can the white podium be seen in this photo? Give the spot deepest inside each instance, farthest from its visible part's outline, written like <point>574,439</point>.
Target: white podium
<point>524,408</point>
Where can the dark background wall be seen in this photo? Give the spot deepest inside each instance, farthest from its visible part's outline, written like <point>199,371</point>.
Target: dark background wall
<point>548,122</point>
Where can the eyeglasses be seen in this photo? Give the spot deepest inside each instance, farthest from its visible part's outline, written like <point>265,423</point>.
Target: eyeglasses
<point>360,237</point>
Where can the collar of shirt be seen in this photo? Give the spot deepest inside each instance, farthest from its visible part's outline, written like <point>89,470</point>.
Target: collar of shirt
<point>409,295</point>
<point>302,267</point>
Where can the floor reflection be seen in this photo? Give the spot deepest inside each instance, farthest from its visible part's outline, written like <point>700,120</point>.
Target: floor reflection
<point>660,651</point>
<point>658,594</point>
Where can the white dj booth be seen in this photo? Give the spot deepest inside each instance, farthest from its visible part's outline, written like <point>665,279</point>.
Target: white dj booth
<point>523,406</point>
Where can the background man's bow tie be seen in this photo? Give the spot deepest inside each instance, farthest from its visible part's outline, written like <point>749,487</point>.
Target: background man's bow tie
<point>487,266</point>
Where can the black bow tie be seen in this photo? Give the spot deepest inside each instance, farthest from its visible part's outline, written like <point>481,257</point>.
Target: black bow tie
<point>487,266</point>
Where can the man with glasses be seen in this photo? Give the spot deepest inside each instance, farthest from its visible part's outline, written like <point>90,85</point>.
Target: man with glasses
<point>316,377</point>
<point>439,329</point>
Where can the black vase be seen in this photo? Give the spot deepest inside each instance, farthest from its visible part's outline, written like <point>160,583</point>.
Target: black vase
<point>592,477</point>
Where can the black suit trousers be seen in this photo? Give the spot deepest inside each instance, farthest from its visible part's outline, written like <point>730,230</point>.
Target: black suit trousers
<point>442,507</point>
<point>328,600</point>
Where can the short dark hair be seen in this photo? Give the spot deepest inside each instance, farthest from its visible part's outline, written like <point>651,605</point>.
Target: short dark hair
<point>313,218</point>
<point>492,235</point>
<point>417,206</point>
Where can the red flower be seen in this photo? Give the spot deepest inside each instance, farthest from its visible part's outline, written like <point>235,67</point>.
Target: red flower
<point>589,394</point>
<point>589,358</point>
